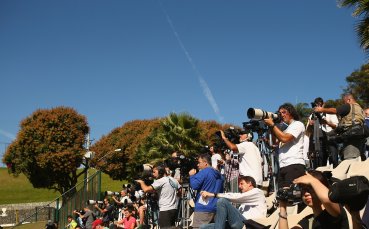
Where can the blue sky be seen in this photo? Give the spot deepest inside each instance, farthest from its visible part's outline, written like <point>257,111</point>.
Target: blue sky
<point>116,61</point>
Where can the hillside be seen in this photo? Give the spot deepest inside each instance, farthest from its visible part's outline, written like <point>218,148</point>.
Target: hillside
<point>20,190</point>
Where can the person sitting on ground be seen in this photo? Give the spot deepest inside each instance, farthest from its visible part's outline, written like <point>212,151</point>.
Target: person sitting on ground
<point>252,200</point>
<point>326,214</point>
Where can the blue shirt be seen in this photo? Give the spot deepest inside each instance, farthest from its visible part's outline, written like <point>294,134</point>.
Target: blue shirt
<point>209,180</point>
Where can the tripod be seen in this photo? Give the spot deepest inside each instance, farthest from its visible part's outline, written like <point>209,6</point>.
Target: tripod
<point>315,159</point>
<point>184,206</point>
<point>151,214</point>
<point>270,167</point>
<point>231,173</point>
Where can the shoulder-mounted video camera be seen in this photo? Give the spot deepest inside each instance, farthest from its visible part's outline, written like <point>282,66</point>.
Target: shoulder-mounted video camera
<point>352,191</point>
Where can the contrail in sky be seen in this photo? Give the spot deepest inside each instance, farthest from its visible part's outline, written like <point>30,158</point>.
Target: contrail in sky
<point>205,88</point>
<point>7,134</point>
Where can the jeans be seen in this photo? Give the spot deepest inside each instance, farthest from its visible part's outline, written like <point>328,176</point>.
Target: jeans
<point>226,211</point>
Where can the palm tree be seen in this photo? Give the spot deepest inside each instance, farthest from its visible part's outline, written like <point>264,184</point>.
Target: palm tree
<point>178,132</point>
<point>304,111</point>
<point>362,27</point>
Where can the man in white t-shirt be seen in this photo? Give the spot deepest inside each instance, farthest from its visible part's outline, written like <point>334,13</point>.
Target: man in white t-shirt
<point>215,157</point>
<point>249,156</point>
<point>166,187</point>
<point>252,205</point>
<point>291,156</point>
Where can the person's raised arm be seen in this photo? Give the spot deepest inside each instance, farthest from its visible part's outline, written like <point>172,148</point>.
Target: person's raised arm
<point>282,136</point>
<point>230,145</point>
<point>321,191</point>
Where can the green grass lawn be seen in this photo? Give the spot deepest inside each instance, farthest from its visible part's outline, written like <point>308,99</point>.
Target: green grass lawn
<point>19,190</point>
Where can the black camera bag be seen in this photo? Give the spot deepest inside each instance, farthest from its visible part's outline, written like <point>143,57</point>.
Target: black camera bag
<point>352,191</point>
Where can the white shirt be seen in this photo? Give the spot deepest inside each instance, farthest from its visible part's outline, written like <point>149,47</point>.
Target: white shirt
<point>214,160</point>
<point>292,152</point>
<point>167,193</point>
<point>250,161</point>
<point>253,202</point>
<point>331,118</point>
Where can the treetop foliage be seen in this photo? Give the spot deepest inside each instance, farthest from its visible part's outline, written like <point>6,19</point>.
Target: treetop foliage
<point>49,148</point>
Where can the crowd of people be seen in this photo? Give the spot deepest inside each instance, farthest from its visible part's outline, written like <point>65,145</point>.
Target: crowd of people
<point>243,162</point>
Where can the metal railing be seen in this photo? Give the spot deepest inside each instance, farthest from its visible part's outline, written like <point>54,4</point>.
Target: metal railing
<point>57,211</point>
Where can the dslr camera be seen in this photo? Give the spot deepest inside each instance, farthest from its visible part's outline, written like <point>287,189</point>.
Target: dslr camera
<point>291,195</point>
<point>316,115</point>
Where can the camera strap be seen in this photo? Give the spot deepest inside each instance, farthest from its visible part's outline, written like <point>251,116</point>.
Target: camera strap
<point>173,183</point>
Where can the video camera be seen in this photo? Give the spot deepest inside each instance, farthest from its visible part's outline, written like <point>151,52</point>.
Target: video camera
<point>231,133</point>
<point>352,191</point>
<point>142,172</point>
<point>255,126</point>
<point>291,195</point>
<point>184,163</point>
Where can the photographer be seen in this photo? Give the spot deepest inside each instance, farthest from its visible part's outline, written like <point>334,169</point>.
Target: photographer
<point>319,125</point>
<point>350,113</point>
<point>87,217</point>
<point>207,179</point>
<point>107,212</point>
<point>215,157</point>
<point>249,156</point>
<point>326,214</point>
<point>166,187</point>
<point>175,166</point>
<point>122,202</point>
<point>252,205</point>
<point>291,156</point>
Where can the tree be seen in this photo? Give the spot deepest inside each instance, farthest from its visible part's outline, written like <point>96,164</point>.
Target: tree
<point>362,26</point>
<point>178,132</point>
<point>49,148</point>
<point>128,138</point>
<point>358,85</point>
<point>304,111</point>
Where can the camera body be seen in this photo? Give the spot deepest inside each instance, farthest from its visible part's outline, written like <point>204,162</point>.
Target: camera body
<point>184,163</point>
<point>255,126</point>
<point>291,195</point>
<point>231,133</point>
<point>353,191</point>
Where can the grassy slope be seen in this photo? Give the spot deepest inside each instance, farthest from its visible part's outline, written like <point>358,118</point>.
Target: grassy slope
<point>20,190</point>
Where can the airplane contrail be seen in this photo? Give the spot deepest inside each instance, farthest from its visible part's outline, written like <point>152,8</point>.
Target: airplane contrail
<point>205,88</point>
<point>7,134</point>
